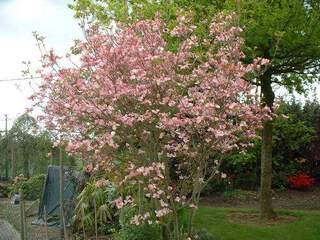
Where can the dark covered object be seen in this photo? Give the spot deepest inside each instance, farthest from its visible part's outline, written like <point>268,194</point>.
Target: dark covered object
<point>50,200</point>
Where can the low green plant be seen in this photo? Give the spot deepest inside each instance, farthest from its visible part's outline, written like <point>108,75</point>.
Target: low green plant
<point>4,190</point>
<point>143,231</point>
<point>95,213</point>
<point>203,234</point>
<point>31,188</point>
<point>215,186</point>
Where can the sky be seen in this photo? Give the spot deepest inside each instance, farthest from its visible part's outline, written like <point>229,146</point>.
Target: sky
<point>18,19</point>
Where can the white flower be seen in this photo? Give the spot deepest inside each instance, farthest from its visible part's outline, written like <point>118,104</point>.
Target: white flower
<point>192,205</point>
<point>162,212</point>
<point>136,220</point>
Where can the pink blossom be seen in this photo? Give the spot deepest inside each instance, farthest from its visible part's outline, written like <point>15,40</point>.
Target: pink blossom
<point>101,183</point>
<point>119,203</point>
<point>192,205</point>
<point>89,168</point>
<point>162,212</point>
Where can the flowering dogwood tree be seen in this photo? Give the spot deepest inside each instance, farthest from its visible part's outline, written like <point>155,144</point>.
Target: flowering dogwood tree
<point>159,122</point>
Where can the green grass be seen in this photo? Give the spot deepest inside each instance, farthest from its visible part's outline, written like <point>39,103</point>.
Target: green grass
<point>214,220</point>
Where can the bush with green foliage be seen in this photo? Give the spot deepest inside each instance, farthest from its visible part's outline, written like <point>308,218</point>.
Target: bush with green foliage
<point>216,185</point>
<point>141,232</point>
<point>95,212</point>
<point>130,231</point>
<point>203,234</point>
<point>242,169</point>
<point>295,140</point>
<point>31,188</point>
<point>4,190</point>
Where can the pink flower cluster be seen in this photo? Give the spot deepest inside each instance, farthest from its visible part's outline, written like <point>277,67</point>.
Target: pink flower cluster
<point>155,169</point>
<point>101,183</point>
<point>120,203</point>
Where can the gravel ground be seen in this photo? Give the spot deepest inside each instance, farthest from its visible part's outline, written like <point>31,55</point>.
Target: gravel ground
<point>11,213</point>
<point>7,232</point>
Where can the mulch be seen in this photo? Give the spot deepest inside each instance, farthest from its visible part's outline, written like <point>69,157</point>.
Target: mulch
<point>286,199</point>
<point>254,218</point>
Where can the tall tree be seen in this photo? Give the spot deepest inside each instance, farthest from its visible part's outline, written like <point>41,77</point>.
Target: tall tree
<point>30,148</point>
<point>21,132</point>
<point>155,112</point>
<point>287,32</point>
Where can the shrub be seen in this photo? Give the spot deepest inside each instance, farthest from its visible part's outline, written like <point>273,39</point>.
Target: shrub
<point>31,188</point>
<point>143,231</point>
<point>95,202</point>
<point>204,235</point>
<point>296,145</point>
<point>214,186</point>
<point>241,168</point>
<point>4,190</point>
<point>301,181</point>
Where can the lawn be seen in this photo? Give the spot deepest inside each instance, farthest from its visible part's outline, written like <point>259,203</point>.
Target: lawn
<point>215,220</point>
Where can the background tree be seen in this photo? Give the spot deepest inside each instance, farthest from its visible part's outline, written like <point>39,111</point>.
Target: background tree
<point>30,148</point>
<point>22,132</point>
<point>288,34</point>
<point>295,140</point>
<point>284,31</point>
<point>4,155</point>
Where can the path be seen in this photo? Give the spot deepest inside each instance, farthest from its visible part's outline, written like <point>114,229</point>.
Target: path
<point>7,232</point>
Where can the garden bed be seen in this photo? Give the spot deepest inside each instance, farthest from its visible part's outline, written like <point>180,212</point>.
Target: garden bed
<point>286,199</point>
<point>254,218</point>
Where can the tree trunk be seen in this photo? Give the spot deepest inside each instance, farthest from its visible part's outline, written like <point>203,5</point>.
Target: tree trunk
<point>6,151</point>
<point>126,8</point>
<point>26,172</point>
<point>6,167</point>
<point>266,210</point>
<point>61,191</point>
<point>13,162</point>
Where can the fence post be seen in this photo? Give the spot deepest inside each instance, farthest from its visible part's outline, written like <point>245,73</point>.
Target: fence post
<point>23,232</point>
<point>63,229</point>
<point>46,221</point>
<point>95,217</point>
